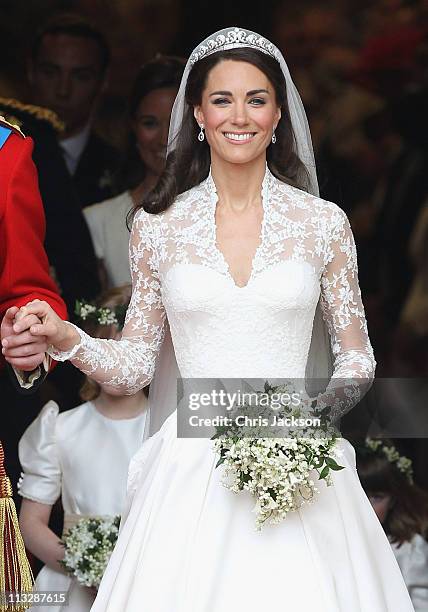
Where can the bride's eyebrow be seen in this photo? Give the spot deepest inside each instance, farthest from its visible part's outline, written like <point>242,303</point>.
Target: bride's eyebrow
<point>253,92</point>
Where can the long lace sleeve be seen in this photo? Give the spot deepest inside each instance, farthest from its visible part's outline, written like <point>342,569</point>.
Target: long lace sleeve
<point>124,366</point>
<point>343,312</point>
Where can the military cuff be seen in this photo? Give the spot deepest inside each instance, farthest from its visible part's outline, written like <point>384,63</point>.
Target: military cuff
<point>27,380</point>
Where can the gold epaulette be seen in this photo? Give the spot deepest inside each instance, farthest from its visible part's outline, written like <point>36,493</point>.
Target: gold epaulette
<point>12,123</point>
<point>45,114</point>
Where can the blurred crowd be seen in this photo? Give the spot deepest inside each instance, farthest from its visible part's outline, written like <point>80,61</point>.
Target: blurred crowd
<point>361,71</point>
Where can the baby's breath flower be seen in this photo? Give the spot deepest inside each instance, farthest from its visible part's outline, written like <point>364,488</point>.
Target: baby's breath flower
<point>106,317</point>
<point>88,546</point>
<point>279,472</point>
<point>101,316</point>
<point>402,463</point>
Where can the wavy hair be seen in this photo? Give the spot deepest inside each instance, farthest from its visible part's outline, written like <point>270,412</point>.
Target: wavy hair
<point>118,296</point>
<point>409,513</point>
<point>161,72</point>
<point>188,165</point>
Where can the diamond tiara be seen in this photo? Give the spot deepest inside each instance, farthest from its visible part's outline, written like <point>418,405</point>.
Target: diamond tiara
<point>234,38</point>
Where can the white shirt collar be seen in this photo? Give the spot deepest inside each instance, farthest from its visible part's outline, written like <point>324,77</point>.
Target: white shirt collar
<point>74,146</point>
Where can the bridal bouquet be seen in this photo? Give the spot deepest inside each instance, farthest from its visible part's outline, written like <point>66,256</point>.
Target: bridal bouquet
<point>279,472</point>
<point>88,546</point>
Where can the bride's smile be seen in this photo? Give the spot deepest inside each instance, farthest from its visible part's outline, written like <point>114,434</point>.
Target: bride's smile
<point>239,137</point>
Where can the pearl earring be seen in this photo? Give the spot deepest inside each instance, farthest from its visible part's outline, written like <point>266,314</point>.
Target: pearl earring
<point>201,135</point>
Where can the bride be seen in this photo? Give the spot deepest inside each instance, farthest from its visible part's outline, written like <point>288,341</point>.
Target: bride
<point>234,257</point>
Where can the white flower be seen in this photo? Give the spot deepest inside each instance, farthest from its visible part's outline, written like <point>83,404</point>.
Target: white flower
<point>88,546</point>
<point>86,310</point>
<point>278,472</point>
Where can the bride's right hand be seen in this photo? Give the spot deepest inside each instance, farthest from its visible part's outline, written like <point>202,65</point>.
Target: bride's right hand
<point>56,331</point>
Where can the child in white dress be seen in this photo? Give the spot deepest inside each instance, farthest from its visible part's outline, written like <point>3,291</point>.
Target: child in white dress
<point>82,456</point>
<point>402,508</point>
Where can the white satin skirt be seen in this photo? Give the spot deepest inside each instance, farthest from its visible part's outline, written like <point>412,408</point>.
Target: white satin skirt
<point>78,597</point>
<point>187,544</point>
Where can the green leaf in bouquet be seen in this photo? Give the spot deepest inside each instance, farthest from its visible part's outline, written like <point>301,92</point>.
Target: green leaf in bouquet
<point>333,465</point>
<point>77,307</point>
<point>272,493</point>
<point>220,461</point>
<point>324,472</point>
<point>244,477</point>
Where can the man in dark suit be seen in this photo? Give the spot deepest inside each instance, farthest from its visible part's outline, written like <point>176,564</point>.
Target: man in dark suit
<point>68,74</point>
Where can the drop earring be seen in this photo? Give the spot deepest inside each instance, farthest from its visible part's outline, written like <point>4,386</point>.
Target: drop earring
<point>273,137</point>
<point>201,135</point>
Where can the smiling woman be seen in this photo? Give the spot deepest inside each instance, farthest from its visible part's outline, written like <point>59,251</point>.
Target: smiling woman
<point>149,110</point>
<point>239,117</point>
<point>242,93</point>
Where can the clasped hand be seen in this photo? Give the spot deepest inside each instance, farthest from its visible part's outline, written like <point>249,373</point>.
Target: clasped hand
<point>27,332</point>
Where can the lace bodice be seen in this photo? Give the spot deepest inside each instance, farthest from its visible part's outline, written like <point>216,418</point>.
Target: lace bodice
<point>306,255</point>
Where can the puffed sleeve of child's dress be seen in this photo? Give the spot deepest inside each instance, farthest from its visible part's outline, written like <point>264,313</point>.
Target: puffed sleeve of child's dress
<point>412,557</point>
<point>41,476</point>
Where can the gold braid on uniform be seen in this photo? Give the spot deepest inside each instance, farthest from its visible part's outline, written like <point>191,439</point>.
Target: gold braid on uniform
<point>15,571</point>
<point>44,114</point>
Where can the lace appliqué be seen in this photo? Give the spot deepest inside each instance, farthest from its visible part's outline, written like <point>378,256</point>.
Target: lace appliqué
<point>306,255</point>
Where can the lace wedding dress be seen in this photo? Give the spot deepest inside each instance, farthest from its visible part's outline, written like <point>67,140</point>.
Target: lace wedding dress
<point>187,544</point>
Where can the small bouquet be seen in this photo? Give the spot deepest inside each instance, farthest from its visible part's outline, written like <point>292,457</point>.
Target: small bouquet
<point>279,472</point>
<point>88,546</point>
<point>85,311</point>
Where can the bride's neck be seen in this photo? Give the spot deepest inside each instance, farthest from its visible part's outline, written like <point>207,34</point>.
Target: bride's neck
<point>238,185</point>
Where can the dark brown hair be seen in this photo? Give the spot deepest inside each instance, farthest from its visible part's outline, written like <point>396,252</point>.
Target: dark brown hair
<point>188,165</point>
<point>111,298</point>
<point>409,512</point>
<point>162,72</point>
<point>73,25</point>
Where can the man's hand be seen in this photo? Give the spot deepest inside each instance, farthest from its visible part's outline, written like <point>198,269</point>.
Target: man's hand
<point>22,350</point>
<point>38,324</point>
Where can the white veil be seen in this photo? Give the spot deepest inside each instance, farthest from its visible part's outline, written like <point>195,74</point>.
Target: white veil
<point>163,388</point>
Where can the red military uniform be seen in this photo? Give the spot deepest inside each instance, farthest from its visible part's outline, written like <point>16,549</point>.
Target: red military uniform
<point>24,276</point>
<point>24,267</point>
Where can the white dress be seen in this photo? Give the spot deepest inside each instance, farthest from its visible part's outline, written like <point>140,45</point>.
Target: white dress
<point>412,557</point>
<point>187,544</point>
<point>110,236</point>
<point>83,457</point>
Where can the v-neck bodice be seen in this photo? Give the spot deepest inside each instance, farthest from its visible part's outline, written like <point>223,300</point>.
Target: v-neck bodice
<point>213,198</point>
<point>306,256</point>
<point>187,231</point>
